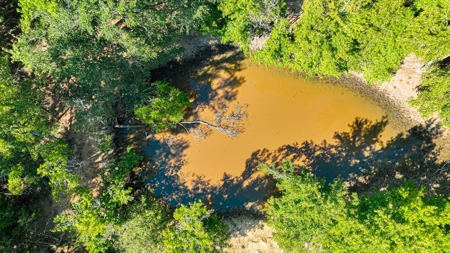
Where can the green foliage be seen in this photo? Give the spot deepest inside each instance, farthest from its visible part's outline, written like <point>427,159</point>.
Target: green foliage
<point>275,47</point>
<point>163,107</point>
<point>22,120</point>
<point>89,221</point>
<point>54,167</point>
<point>317,37</point>
<point>434,95</point>
<point>15,180</point>
<point>141,232</point>
<point>404,220</point>
<point>105,144</point>
<point>428,33</point>
<point>212,23</point>
<point>335,36</point>
<point>376,30</point>
<point>93,221</point>
<point>15,220</point>
<point>332,37</point>
<point>306,211</point>
<point>247,19</point>
<point>98,53</point>
<point>196,231</point>
<point>312,216</point>
<point>31,8</point>
<point>27,147</point>
<point>118,172</point>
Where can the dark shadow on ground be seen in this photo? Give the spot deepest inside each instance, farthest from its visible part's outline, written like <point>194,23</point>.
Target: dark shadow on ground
<point>360,157</point>
<point>294,7</point>
<point>9,23</point>
<point>245,191</point>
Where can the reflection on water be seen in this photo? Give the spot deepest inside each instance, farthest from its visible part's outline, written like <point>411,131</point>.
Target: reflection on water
<point>283,110</point>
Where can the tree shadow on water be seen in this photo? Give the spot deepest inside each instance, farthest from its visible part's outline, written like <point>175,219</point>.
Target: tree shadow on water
<point>247,191</point>
<point>360,157</point>
<point>217,82</point>
<point>210,76</point>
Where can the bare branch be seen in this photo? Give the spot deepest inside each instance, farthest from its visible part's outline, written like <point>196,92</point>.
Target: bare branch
<point>274,172</point>
<point>128,126</point>
<point>229,125</point>
<point>73,166</point>
<point>79,103</point>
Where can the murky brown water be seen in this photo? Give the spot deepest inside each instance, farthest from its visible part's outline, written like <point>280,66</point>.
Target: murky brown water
<point>283,109</point>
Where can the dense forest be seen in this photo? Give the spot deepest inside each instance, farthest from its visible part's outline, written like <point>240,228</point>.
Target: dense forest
<point>77,66</point>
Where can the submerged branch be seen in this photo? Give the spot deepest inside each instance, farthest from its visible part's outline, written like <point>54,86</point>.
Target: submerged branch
<point>229,125</point>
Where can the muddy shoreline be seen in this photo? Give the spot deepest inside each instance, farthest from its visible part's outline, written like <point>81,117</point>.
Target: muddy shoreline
<point>397,116</point>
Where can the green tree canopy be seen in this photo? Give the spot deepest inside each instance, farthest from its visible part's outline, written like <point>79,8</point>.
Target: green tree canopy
<point>434,95</point>
<point>332,37</point>
<point>28,148</point>
<point>311,215</point>
<point>196,230</point>
<point>162,106</point>
<point>246,19</point>
<point>93,221</point>
<point>98,53</point>
<point>141,232</point>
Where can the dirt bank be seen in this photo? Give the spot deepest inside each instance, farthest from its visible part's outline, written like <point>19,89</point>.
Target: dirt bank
<point>393,97</point>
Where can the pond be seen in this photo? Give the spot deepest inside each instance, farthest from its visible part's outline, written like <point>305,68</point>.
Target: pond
<point>321,126</point>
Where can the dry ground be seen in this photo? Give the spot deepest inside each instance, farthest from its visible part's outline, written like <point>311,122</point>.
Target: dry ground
<point>250,235</point>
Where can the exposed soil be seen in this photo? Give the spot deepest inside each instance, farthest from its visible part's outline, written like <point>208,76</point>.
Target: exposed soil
<point>249,234</point>
<point>195,41</point>
<point>393,97</point>
<point>400,89</point>
<point>85,160</point>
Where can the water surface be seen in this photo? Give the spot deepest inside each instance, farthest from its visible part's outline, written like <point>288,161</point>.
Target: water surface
<point>287,117</point>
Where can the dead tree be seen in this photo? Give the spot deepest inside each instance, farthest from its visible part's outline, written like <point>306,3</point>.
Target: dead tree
<point>229,125</point>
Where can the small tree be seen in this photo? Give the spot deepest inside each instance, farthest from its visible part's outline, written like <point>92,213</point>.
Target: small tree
<point>196,230</point>
<point>249,19</point>
<point>163,107</point>
<point>141,232</point>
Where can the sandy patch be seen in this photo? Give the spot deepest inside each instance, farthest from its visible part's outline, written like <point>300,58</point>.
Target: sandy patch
<point>394,95</point>
<point>248,234</point>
